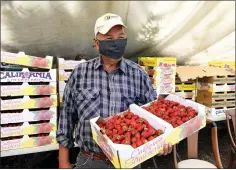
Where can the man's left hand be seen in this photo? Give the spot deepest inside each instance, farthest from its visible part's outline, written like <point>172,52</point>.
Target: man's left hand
<point>167,148</point>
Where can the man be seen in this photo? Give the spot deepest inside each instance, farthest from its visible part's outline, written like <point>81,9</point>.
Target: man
<point>103,86</point>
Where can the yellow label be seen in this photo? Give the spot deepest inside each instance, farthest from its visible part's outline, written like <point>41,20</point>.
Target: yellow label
<point>156,61</point>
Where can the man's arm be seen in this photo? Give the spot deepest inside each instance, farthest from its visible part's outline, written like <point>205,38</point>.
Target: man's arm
<point>66,124</point>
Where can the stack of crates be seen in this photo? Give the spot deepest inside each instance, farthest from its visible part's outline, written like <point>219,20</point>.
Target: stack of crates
<point>65,68</point>
<point>186,90</point>
<point>161,72</point>
<point>28,101</point>
<point>217,93</point>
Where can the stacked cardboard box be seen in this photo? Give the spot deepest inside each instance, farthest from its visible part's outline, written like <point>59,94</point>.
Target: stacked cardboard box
<point>161,72</point>
<point>215,88</point>
<point>28,101</point>
<point>65,69</point>
<point>186,89</point>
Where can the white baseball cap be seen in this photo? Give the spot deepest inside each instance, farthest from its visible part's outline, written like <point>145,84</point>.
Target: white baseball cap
<point>106,22</point>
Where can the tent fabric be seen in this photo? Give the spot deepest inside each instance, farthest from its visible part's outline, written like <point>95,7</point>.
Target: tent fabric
<point>193,31</point>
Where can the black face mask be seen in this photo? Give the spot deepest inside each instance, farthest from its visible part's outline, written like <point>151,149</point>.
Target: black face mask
<point>114,49</point>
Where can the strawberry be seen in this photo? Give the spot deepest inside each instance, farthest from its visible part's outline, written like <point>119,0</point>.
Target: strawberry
<point>133,132</point>
<point>135,117</point>
<point>127,141</point>
<point>133,139</point>
<point>146,134</point>
<point>179,122</point>
<point>133,124</point>
<point>125,128</point>
<point>134,145</point>
<point>139,127</point>
<point>120,137</point>
<point>121,132</point>
<point>145,129</point>
<point>140,120</point>
<point>114,131</point>
<point>159,132</point>
<point>143,141</point>
<point>123,141</point>
<point>150,138</point>
<point>139,143</point>
<point>128,134</point>
<point>117,121</point>
<point>127,121</point>
<point>137,135</point>
<point>123,124</point>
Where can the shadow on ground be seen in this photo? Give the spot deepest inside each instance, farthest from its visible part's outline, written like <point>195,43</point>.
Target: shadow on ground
<point>48,160</point>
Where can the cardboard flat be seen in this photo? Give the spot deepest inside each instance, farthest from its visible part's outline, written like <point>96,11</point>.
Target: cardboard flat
<point>162,71</point>
<point>125,156</point>
<point>26,89</point>
<point>28,116</point>
<point>68,64</point>
<point>26,60</point>
<point>28,142</point>
<point>29,103</point>
<point>29,129</point>
<point>28,76</point>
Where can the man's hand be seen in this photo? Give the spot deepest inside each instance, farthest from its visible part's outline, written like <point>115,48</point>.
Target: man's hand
<point>64,161</point>
<point>166,150</point>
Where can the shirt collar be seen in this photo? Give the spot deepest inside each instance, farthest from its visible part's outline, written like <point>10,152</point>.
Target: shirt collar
<point>122,67</point>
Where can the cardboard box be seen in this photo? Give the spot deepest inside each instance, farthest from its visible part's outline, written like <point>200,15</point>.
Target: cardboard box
<point>64,75</point>
<point>62,85</point>
<point>125,156</point>
<point>26,60</point>
<point>217,113</point>
<point>68,64</point>
<point>162,72</point>
<point>228,65</point>
<point>29,103</point>
<point>28,116</point>
<point>26,89</point>
<point>28,76</point>
<point>29,129</point>
<point>27,142</point>
<point>188,128</point>
<point>186,94</point>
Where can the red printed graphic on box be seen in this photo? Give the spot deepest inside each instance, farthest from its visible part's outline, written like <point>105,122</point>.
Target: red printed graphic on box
<point>28,129</point>
<point>26,60</point>
<point>26,115</point>
<point>29,103</point>
<point>28,141</point>
<point>28,76</point>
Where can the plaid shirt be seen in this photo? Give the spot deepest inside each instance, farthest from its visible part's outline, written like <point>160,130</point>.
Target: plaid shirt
<point>91,91</point>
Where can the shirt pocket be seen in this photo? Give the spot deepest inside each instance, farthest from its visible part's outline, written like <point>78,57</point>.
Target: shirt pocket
<point>128,99</point>
<point>87,103</point>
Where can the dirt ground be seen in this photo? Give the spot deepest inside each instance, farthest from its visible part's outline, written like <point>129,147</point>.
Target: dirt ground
<point>49,159</point>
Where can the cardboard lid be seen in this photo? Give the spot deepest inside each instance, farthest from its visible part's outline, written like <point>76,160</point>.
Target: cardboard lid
<point>186,73</point>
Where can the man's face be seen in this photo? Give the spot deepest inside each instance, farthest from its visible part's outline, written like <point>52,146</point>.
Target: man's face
<point>116,32</point>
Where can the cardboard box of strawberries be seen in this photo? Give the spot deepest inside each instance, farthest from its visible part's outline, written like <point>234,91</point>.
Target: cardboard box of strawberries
<point>138,134</point>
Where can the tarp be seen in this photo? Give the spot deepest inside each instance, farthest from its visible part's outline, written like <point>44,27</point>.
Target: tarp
<point>193,31</point>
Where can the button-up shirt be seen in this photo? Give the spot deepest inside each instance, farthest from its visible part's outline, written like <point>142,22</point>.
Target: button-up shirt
<point>91,91</point>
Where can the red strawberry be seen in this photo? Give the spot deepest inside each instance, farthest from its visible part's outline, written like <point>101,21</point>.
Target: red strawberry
<point>127,121</point>
<point>123,124</point>
<point>134,145</point>
<point>118,121</point>
<point>120,137</point>
<point>133,132</point>
<point>114,131</point>
<point>133,124</point>
<point>139,143</point>
<point>159,132</point>
<point>139,127</point>
<point>146,134</point>
<point>179,122</point>
<point>121,132</point>
<point>143,141</point>
<point>135,117</point>
<point>133,139</point>
<point>137,135</point>
<point>150,138</point>
<point>125,128</point>
<point>128,134</point>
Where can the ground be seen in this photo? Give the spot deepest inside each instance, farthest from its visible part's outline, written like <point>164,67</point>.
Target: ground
<point>49,160</point>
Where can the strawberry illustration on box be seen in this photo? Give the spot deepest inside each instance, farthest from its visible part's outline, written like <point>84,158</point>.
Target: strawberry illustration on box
<point>29,103</point>
<point>28,116</point>
<point>27,128</point>
<point>26,60</point>
<point>28,141</point>
<point>26,89</point>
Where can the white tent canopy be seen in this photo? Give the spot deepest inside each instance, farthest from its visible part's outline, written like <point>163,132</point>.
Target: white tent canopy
<point>193,31</point>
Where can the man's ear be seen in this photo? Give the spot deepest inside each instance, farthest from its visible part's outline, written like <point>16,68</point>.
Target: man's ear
<point>96,44</point>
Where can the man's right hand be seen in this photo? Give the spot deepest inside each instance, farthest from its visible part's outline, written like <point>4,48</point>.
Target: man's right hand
<point>65,165</point>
